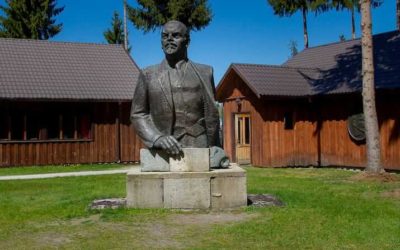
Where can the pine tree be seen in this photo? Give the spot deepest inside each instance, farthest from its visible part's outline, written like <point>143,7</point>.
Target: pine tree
<point>115,34</point>
<point>352,6</point>
<point>289,7</point>
<point>293,48</point>
<point>151,14</point>
<point>31,19</point>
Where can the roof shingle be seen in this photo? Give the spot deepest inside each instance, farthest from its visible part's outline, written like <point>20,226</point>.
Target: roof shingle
<point>32,69</point>
<point>328,69</point>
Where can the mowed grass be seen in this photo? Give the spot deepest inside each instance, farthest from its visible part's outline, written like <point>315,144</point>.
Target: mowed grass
<point>325,209</point>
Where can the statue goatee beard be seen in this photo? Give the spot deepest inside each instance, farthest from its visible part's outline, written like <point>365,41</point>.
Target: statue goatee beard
<point>176,57</point>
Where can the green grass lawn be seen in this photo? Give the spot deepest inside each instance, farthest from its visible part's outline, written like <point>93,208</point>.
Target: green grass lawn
<point>325,209</point>
<point>59,169</point>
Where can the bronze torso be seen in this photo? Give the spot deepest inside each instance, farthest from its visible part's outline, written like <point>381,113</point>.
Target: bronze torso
<point>176,102</point>
<point>189,126</point>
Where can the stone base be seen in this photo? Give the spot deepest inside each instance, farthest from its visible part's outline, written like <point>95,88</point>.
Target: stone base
<point>216,189</point>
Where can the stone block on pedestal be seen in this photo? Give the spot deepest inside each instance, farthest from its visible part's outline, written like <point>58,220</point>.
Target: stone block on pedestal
<point>191,160</point>
<point>187,193</point>
<point>154,160</point>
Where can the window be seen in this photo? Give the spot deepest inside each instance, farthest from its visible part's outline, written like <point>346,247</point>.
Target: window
<point>246,130</point>
<point>242,129</point>
<point>32,131</point>
<point>36,122</point>
<point>288,121</point>
<point>4,125</point>
<point>84,131</point>
<point>17,126</point>
<point>68,126</point>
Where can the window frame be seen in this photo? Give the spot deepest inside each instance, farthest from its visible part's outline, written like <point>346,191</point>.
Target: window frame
<point>60,130</point>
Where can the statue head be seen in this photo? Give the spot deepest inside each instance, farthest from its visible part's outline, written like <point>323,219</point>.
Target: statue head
<point>175,40</point>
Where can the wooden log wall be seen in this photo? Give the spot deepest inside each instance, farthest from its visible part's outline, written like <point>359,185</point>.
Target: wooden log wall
<point>130,141</point>
<point>108,143</point>
<point>271,143</point>
<point>338,149</point>
<point>320,136</point>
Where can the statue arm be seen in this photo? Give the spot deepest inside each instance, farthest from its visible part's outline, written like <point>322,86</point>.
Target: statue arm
<point>213,126</point>
<point>140,114</point>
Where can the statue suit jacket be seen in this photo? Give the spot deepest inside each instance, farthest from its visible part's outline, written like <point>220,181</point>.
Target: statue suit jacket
<point>152,108</point>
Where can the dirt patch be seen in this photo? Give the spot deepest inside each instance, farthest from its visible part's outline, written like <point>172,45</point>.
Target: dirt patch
<point>210,218</point>
<point>395,193</point>
<point>90,219</point>
<point>160,235</point>
<point>381,177</point>
<point>52,239</point>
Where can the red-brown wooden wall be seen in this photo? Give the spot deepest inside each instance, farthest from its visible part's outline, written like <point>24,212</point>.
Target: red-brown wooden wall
<point>113,140</point>
<point>319,137</point>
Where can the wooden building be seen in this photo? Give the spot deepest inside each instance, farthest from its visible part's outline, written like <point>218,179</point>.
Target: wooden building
<point>64,103</point>
<point>298,114</point>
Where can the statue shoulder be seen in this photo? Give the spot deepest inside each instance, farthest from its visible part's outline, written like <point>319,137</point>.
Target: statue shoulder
<point>150,69</point>
<point>203,68</point>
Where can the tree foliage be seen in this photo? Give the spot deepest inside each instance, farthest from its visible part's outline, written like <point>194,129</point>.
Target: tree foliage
<point>289,7</point>
<point>115,34</point>
<point>353,4</point>
<point>151,14</point>
<point>293,48</point>
<point>32,19</point>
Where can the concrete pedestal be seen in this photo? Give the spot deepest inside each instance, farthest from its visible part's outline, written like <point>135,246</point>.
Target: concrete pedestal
<point>216,189</point>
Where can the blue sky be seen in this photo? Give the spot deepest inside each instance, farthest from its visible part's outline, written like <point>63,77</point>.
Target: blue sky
<point>241,31</point>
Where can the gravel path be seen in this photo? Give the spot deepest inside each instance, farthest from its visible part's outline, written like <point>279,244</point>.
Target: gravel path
<point>66,174</point>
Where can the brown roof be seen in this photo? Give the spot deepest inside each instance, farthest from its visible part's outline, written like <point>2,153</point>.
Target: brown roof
<point>328,69</point>
<point>43,70</point>
<point>276,80</point>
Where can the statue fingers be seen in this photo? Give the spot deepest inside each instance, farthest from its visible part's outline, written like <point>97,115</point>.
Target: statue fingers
<point>162,143</point>
<point>168,145</point>
<point>177,145</point>
<point>172,145</point>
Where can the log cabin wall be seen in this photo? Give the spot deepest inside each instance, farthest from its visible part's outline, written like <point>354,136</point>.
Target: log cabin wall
<point>129,140</point>
<point>338,149</point>
<point>271,143</point>
<point>336,146</point>
<point>319,136</point>
<point>111,138</point>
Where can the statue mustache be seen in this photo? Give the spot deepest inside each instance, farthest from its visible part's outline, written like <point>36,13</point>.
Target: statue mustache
<point>170,44</point>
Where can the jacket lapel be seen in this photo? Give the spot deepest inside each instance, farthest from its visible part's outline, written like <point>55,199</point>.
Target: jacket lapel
<point>164,82</point>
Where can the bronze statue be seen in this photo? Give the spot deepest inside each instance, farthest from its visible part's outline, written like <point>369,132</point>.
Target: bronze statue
<point>173,105</point>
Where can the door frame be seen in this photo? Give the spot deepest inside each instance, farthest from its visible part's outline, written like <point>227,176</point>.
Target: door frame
<point>233,134</point>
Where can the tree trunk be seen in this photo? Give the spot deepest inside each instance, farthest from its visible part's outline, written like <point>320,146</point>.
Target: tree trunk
<point>368,90</point>
<point>353,25</point>
<point>305,28</point>
<point>398,14</point>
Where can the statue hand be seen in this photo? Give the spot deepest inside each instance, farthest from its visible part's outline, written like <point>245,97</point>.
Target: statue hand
<point>169,144</point>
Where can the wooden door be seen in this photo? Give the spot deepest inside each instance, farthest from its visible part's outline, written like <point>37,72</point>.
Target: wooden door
<point>242,138</point>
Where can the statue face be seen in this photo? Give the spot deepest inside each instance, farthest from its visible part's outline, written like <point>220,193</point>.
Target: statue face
<point>173,39</point>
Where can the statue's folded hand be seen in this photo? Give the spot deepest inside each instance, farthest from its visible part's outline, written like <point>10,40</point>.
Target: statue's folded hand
<point>169,144</point>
